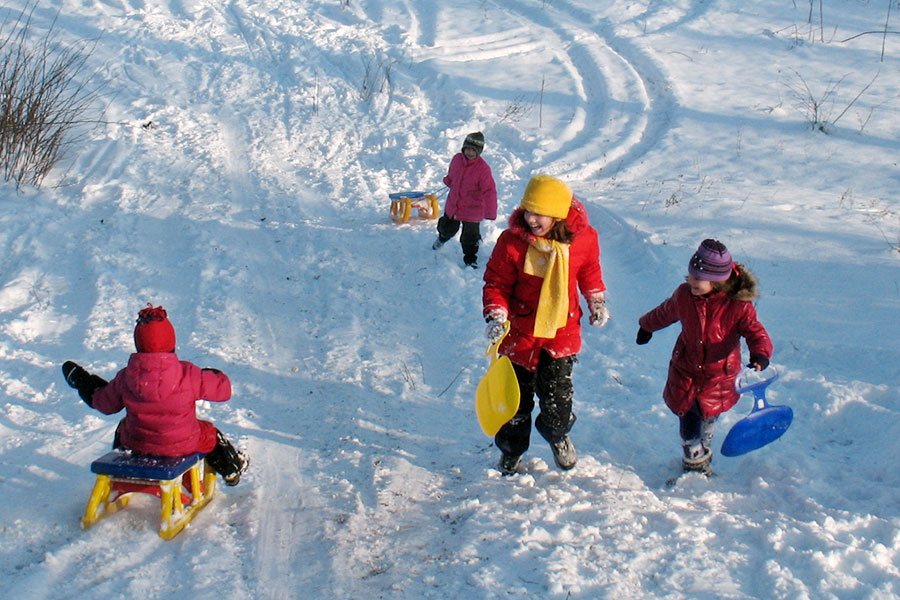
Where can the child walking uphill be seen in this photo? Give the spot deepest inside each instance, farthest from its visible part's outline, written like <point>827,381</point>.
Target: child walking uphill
<point>715,310</point>
<point>158,392</point>
<point>548,253</point>
<point>472,198</point>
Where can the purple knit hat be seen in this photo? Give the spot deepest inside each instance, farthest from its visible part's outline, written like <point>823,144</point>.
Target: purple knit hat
<point>711,262</point>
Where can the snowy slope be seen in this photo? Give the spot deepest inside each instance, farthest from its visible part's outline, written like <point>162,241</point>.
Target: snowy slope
<point>242,182</point>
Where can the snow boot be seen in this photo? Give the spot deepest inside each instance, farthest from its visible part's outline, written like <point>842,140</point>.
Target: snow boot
<point>701,464</point>
<point>564,453</point>
<point>227,461</point>
<point>437,243</point>
<point>232,479</point>
<point>509,464</point>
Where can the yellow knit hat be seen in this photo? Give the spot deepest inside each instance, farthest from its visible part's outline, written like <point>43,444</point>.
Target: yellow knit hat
<point>548,196</point>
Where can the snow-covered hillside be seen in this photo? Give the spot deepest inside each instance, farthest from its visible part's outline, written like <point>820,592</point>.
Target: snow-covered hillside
<point>242,182</point>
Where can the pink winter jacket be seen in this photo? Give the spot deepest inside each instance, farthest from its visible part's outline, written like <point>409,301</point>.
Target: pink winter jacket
<point>509,288</point>
<point>473,194</point>
<point>158,393</point>
<point>707,355</point>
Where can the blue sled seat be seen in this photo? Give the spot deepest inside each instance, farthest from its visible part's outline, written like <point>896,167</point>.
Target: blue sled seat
<point>183,484</point>
<point>143,466</point>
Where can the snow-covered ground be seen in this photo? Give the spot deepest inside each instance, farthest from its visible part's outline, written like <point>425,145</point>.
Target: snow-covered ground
<point>242,182</point>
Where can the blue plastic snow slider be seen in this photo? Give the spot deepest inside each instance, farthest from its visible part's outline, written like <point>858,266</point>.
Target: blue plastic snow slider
<point>765,423</point>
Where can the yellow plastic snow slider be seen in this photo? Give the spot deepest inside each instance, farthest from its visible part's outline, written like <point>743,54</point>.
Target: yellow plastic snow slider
<point>497,395</point>
<point>183,484</point>
<point>402,204</point>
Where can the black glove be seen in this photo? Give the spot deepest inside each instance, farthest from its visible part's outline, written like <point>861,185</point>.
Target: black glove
<point>81,380</point>
<point>643,336</point>
<point>758,362</point>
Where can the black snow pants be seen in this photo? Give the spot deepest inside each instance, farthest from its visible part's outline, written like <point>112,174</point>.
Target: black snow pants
<point>552,382</point>
<point>471,235</point>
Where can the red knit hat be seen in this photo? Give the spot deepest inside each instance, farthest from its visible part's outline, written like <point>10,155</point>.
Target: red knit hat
<point>154,332</point>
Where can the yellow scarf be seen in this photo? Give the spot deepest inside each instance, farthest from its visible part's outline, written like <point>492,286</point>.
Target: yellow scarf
<point>550,259</point>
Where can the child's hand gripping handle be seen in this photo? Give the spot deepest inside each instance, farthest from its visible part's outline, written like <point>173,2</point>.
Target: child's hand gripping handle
<point>496,330</point>
<point>758,388</point>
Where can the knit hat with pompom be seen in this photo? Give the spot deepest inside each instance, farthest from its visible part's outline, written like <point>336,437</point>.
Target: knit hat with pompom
<point>154,332</point>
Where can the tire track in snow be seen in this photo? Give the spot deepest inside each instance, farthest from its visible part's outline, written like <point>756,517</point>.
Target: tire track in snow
<point>663,16</point>
<point>610,70</point>
<point>489,46</point>
<point>620,101</point>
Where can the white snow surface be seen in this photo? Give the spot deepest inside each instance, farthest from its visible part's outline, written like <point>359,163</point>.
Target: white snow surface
<point>242,181</point>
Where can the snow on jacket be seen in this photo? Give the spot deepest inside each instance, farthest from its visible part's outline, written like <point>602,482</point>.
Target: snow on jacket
<point>158,393</point>
<point>473,193</point>
<point>508,287</point>
<point>707,354</point>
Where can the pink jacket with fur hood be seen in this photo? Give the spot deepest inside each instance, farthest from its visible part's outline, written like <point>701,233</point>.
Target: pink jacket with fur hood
<point>158,392</point>
<point>707,355</point>
<point>473,193</point>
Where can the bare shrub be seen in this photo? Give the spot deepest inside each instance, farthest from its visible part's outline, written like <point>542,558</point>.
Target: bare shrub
<point>376,79</point>
<point>821,110</point>
<point>516,110</point>
<point>44,98</point>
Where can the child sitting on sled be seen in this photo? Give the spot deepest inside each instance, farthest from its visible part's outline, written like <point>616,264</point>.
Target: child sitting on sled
<point>715,309</point>
<point>472,198</point>
<point>158,392</point>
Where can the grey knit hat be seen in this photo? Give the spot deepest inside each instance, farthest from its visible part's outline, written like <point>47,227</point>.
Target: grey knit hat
<point>474,141</point>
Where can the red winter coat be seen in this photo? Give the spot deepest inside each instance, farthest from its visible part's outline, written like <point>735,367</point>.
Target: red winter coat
<point>473,194</point>
<point>508,287</point>
<point>158,393</point>
<point>707,355</point>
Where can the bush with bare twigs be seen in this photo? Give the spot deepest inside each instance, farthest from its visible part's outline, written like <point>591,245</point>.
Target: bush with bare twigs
<point>44,99</point>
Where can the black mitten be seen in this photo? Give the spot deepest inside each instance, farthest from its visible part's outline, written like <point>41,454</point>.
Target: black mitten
<point>643,336</point>
<point>86,384</point>
<point>75,375</point>
<point>758,362</point>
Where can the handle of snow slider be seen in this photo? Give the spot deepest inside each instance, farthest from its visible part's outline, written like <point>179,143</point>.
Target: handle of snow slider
<point>493,350</point>
<point>758,388</point>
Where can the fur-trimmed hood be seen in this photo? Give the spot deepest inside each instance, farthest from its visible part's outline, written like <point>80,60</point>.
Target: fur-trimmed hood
<point>744,287</point>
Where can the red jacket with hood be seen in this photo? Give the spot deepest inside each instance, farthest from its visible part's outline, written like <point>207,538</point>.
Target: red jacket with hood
<point>707,355</point>
<point>158,392</point>
<point>508,287</point>
<point>473,193</point>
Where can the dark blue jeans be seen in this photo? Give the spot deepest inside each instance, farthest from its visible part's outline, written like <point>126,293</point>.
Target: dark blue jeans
<point>696,432</point>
